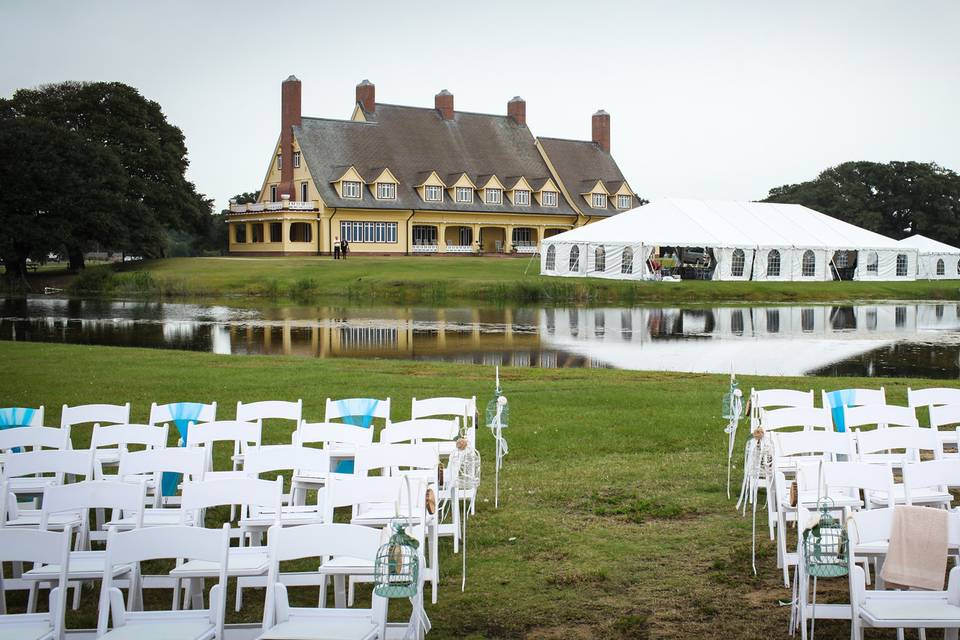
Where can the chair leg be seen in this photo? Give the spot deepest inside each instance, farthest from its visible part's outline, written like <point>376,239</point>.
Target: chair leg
<point>782,549</point>
<point>455,509</point>
<point>351,592</point>
<point>434,561</point>
<point>322,600</point>
<point>76,595</point>
<point>950,634</point>
<point>32,597</point>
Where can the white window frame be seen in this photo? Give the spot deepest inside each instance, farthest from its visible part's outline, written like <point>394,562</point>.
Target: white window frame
<point>464,191</point>
<point>344,190</point>
<point>492,195</point>
<point>547,196</point>
<point>383,188</point>
<point>296,159</point>
<point>368,232</point>
<point>279,161</point>
<point>435,190</point>
<point>598,200</point>
<point>273,193</point>
<point>624,202</point>
<point>521,197</point>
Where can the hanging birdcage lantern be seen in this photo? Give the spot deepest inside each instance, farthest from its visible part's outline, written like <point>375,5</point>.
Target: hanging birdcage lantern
<point>465,462</point>
<point>396,570</point>
<point>498,412</point>
<point>732,403</point>
<point>825,545</point>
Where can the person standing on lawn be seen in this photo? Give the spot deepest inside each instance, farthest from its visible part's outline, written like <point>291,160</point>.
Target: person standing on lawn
<point>336,248</point>
<point>344,248</point>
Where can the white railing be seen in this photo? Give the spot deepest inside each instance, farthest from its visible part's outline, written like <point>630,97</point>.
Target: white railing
<point>302,206</point>
<point>459,248</point>
<point>274,206</point>
<point>259,206</point>
<point>525,248</point>
<point>308,205</point>
<point>238,208</point>
<point>424,248</point>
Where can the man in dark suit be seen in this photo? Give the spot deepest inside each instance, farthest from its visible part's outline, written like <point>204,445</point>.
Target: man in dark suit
<point>344,248</point>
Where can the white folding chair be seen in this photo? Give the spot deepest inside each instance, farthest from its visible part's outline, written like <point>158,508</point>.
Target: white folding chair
<point>837,401</point>
<point>43,547</point>
<point>266,410</point>
<point>102,414</point>
<point>358,411</point>
<point>868,535</point>
<point>109,441</point>
<point>41,469</point>
<point>849,478</point>
<point>281,621</point>
<point>182,414</point>
<point>928,483</point>
<point>251,494</point>
<point>932,397</point>
<point>150,465</point>
<point>74,501</point>
<point>155,543</point>
<point>879,415</point>
<point>462,409</point>
<point>945,420</point>
<point>339,440</point>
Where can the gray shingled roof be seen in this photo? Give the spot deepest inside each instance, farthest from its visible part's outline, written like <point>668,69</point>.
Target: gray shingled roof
<point>580,163</point>
<point>413,141</point>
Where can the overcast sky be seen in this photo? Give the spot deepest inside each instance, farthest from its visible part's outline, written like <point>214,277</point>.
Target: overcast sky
<point>708,99</point>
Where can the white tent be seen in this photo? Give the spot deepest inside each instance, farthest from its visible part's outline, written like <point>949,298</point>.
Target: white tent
<point>749,240</point>
<point>936,261</point>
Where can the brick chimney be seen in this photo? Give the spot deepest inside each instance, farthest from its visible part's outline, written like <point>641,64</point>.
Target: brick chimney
<point>601,129</point>
<point>290,117</point>
<point>367,96</point>
<point>517,109</point>
<point>443,102</point>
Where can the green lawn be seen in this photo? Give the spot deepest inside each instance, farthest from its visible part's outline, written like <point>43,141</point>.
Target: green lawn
<point>439,280</point>
<point>613,519</point>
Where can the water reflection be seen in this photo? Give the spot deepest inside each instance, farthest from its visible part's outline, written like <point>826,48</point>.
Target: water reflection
<point>874,339</point>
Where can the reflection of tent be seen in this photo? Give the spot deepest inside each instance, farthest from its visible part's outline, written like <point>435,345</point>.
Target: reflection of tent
<point>750,240</point>
<point>937,261</point>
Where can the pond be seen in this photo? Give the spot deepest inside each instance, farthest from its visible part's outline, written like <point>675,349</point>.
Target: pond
<point>918,339</point>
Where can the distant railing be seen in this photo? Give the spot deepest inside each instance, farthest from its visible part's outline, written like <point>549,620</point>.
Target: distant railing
<point>424,248</point>
<point>525,248</point>
<point>459,248</point>
<point>290,205</point>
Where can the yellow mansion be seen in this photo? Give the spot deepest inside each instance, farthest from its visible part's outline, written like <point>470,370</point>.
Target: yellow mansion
<point>410,180</point>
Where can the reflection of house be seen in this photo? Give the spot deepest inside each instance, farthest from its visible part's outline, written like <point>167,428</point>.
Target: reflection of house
<point>395,179</point>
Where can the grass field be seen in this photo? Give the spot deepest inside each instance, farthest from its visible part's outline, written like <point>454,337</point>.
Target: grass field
<point>439,280</point>
<point>613,522</point>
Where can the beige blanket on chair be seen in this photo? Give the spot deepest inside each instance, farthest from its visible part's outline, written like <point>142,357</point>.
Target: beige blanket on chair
<point>917,555</point>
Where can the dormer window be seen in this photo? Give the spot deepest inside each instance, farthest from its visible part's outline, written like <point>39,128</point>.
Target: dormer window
<point>350,189</point>
<point>494,196</point>
<point>296,160</point>
<point>433,193</point>
<point>624,202</point>
<point>599,201</point>
<point>464,194</point>
<point>521,197</point>
<point>386,191</point>
<point>549,198</point>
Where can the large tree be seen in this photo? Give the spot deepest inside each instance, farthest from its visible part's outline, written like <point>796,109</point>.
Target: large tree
<point>150,150</point>
<point>896,199</point>
<point>55,186</point>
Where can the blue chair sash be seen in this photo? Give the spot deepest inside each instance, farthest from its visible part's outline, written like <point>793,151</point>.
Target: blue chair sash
<point>183,414</point>
<point>11,417</point>
<point>358,412</point>
<point>837,400</point>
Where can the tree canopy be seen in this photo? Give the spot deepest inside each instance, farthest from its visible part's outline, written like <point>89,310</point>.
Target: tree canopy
<point>106,170</point>
<point>896,199</point>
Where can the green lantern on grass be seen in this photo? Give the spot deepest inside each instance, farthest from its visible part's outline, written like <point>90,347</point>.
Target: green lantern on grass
<point>396,570</point>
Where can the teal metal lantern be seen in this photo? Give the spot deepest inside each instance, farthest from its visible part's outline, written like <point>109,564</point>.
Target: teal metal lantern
<point>825,545</point>
<point>396,570</point>
<point>732,402</point>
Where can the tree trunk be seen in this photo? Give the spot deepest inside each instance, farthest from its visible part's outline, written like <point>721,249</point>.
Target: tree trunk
<point>76,261</point>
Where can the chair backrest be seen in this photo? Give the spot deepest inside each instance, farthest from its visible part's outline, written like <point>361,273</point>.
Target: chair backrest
<point>264,495</point>
<point>97,413</point>
<point>464,408</point>
<point>63,461</point>
<point>776,398</point>
<point>858,475</point>
<point>930,474</point>
<point>878,445</point>
<point>796,418</point>
<point>358,411</point>
<point>183,412</point>
<point>34,438</point>
<point>945,416</point>
<point>932,397</point>
<point>46,547</point>
<point>124,435</point>
<point>124,497</point>
<point>392,458</point>
<point>406,494</point>
<point>874,525</point>
<point>837,401</point>
<point>270,410</point>
<point>418,430</point>
<point>189,462</point>
<point>882,415</point>
<point>823,445</point>
<point>283,457</point>
<point>21,417</point>
<point>332,433</point>
<point>206,433</point>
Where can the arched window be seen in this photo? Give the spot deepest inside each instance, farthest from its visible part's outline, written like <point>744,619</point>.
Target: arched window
<point>575,258</point>
<point>809,266</point>
<point>736,264</point>
<point>941,268</point>
<point>901,265</point>
<point>773,264</point>
<point>552,258</point>
<point>873,262</point>
<point>599,259</point>
<point>301,232</point>
<point>626,262</point>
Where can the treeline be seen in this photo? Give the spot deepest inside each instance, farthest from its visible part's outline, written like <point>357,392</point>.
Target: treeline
<point>896,199</point>
<point>95,167</point>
